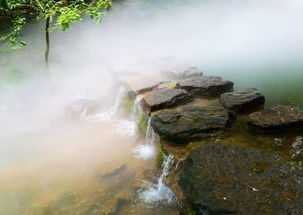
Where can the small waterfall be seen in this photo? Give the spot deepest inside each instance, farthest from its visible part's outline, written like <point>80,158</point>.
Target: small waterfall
<point>108,115</point>
<point>159,193</point>
<point>148,150</point>
<point>118,102</point>
<point>150,136</point>
<point>137,108</point>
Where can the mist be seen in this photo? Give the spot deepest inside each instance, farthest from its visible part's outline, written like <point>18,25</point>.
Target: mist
<point>253,43</point>
<point>250,38</point>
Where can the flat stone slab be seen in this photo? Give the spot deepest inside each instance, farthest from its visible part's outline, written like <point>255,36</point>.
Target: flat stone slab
<point>243,100</point>
<point>165,98</point>
<point>277,119</point>
<point>191,123</point>
<point>206,86</point>
<point>191,72</point>
<point>226,179</point>
<point>144,84</point>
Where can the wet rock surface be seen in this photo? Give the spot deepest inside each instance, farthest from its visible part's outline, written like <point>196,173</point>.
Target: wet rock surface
<point>191,123</point>
<point>226,179</point>
<point>206,86</point>
<point>277,119</point>
<point>243,100</point>
<point>165,98</point>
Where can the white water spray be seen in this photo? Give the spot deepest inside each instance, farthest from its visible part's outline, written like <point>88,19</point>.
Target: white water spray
<point>148,150</point>
<point>108,115</point>
<point>159,193</point>
<point>125,128</point>
<point>137,108</point>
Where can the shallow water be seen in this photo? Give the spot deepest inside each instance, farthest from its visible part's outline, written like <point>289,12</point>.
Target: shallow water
<point>75,167</point>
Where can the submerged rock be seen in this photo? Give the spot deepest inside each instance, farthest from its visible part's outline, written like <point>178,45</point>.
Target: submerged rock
<point>164,98</point>
<point>226,179</point>
<point>206,86</point>
<point>297,147</point>
<point>191,123</point>
<point>114,173</point>
<point>243,100</point>
<point>277,119</point>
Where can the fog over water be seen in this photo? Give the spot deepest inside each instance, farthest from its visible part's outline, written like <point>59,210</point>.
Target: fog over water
<point>253,43</point>
<point>249,42</point>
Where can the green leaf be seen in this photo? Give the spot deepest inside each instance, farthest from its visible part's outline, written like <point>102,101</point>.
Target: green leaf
<point>3,4</point>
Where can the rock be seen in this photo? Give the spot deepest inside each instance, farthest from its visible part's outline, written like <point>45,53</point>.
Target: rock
<point>277,119</point>
<point>141,83</point>
<point>191,72</point>
<point>242,100</point>
<point>297,148</point>
<point>188,73</point>
<point>151,175</point>
<point>191,123</point>
<point>164,98</point>
<point>211,86</point>
<point>226,179</point>
<point>114,173</point>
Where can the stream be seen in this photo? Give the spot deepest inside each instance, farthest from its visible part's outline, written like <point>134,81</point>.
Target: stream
<point>96,165</point>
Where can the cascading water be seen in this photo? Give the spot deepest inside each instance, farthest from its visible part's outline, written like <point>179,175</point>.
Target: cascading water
<point>150,136</point>
<point>137,108</point>
<point>107,115</point>
<point>147,151</point>
<point>123,127</point>
<point>159,193</point>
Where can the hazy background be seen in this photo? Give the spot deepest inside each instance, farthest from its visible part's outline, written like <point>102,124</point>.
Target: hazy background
<point>253,43</point>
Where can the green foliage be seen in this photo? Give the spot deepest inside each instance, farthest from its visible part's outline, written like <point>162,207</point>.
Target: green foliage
<point>3,4</point>
<point>67,16</point>
<point>128,102</point>
<point>62,12</point>
<point>190,211</point>
<point>142,123</point>
<point>160,159</point>
<point>14,37</point>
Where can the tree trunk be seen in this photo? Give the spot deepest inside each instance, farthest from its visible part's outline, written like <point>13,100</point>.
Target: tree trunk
<point>47,41</point>
<point>66,3</point>
<point>46,56</point>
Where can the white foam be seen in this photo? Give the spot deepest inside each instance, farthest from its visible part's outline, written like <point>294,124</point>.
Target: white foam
<point>137,108</point>
<point>125,128</point>
<point>159,193</point>
<point>107,115</point>
<point>145,152</point>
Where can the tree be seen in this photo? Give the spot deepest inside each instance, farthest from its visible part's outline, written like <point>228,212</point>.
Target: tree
<point>57,14</point>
